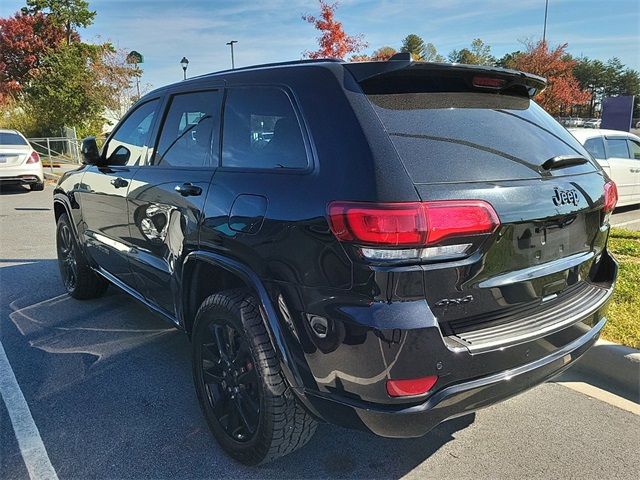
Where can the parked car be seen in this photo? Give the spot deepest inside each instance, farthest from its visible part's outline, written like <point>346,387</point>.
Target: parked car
<point>619,155</point>
<point>19,162</point>
<point>410,242</point>
<point>593,123</point>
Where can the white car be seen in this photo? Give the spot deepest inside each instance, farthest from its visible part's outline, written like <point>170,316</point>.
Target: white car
<point>19,162</point>
<point>619,155</point>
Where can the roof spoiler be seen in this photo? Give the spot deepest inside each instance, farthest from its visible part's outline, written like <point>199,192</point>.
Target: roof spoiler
<point>365,71</point>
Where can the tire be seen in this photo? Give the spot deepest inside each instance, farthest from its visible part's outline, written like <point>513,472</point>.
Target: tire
<point>37,187</point>
<point>78,278</point>
<point>230,322</point>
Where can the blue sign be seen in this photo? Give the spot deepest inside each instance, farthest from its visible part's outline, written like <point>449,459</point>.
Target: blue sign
<point>617,113</point>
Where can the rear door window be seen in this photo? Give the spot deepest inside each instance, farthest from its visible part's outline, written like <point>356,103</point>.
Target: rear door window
<point>186,136</point>
<point>617,148</point>
<point>473,136</point>
<point>261,130</point>
<point>595,146</point>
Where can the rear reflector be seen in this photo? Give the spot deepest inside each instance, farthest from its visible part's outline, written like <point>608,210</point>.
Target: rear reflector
<point>610,196</point>
<point>34,157</point>
<point>411,387</point>
<point>411,224</point>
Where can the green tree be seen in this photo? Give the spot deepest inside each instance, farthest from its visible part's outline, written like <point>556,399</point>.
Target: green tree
<point>478,54</point>
<point>69,14</point>
<point>508,60</point>
<point>414,45</point>
<point>67,91</point>
<point>431,54</point>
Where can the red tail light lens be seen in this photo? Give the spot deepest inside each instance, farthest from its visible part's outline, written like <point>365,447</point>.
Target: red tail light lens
<point>34,157</point>
<point>610,196</point>
<point>411,224</point>
<point>411,387</point>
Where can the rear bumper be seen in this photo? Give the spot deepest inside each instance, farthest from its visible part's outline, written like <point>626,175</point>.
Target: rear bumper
<point>22,174</point>
<point>456,400</point>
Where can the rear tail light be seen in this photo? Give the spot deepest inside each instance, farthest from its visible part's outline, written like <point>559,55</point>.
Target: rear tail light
<point>610,196</point>
<point>34,157</point>
<point>411,387</point>
<point>416,227</point>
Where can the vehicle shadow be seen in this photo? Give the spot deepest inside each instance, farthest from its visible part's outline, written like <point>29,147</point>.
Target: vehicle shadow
<point>13,189</point>
<point>109,385</point>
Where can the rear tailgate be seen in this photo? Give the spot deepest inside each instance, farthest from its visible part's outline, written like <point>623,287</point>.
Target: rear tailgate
<point>459,139</point>
<point>11,156</point>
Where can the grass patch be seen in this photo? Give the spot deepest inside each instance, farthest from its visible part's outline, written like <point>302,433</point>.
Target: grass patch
<point>624,311</point>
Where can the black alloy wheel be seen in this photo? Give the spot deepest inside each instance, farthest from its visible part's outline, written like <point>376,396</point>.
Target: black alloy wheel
<point>67,257</point>
<point>230,380</point>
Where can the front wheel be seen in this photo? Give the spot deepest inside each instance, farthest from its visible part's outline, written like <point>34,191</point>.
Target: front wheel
<point>246,401</point>
<point>78,278</point>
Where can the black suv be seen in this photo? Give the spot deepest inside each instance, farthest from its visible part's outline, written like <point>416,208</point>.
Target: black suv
<point>378,245</point>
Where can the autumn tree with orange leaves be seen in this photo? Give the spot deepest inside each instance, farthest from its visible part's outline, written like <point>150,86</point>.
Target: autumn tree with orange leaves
<point>333,42</point>
<point>563,89</point>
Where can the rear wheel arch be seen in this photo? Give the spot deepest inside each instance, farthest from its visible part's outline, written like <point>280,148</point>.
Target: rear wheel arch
<point>198,282</point>
<point>201,279</point>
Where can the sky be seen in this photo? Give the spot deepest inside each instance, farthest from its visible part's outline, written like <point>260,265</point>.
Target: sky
<point>273,30</point>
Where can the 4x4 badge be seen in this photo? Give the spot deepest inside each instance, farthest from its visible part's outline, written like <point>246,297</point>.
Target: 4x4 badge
<point>445,302</point>
<point>564,197</point>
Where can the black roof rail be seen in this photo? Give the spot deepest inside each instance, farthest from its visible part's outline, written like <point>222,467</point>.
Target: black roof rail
<point>268,65</point>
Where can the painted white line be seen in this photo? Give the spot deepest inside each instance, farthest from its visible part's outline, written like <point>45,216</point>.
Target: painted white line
<point>31,447</point>
<point>603,396</point>
<point>629,222</point>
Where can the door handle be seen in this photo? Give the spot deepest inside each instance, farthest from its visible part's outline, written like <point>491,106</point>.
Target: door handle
<point>119,182</point>
<point>188,190</point>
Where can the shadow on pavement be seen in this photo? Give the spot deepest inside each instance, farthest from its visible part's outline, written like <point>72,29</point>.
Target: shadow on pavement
<point>109,385</point>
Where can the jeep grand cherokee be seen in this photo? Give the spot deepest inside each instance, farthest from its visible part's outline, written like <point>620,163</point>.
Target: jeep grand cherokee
<point>378,245</point>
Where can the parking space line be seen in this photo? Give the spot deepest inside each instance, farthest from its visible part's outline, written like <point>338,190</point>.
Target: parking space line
<point>622,224</point>
<point>32,449</point>
<point>603,396</point>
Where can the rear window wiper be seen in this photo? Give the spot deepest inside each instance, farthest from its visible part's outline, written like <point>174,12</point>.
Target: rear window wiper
<point>562,161</point>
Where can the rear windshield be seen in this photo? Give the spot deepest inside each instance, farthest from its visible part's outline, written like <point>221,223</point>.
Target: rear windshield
<point>8,138</point>
<point>473,136</point>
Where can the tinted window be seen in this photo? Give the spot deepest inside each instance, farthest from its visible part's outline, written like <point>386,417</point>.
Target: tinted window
<point>127,144</point>
<point>8,138</point>
<point>473,136</point>
<point>595,146</point>
<point>634,148</point>
<point>617,147</point>
<point>186,134</point>
<point>261,130</point>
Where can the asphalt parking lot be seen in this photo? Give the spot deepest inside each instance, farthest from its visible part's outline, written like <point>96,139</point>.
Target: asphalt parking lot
<point>108,386</point>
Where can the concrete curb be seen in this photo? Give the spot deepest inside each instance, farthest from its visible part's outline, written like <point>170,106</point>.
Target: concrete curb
<point>615,363</point>
<point>51,176</point>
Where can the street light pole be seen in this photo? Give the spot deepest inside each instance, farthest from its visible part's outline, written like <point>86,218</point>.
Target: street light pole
<point>185,63</point>
<point>544,31</point>
<point>233,65</point>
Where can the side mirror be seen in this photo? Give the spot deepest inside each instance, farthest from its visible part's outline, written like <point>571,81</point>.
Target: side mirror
<point>90,152</point>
